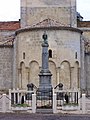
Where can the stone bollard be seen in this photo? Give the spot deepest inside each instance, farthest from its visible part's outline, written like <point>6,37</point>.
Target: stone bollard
<point>54,104</point>
<point>33,103</point>
<point>83,103</point>
<point>9,99</point>
<point>4,103</point>
<point>79,100</point>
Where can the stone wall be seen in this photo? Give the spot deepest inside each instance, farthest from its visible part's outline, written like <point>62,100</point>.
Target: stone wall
<point>63,11</point>
<point>7,36</point>
<point>86,60</point>
<point>87,71</point>
<point>85,55</point>
<point>65,59</point>
<point>6,67</point>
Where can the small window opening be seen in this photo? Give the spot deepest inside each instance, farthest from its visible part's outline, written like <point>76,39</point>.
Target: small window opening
<point>50,53</point>
<point>75,55</point>
<point>23,55</point>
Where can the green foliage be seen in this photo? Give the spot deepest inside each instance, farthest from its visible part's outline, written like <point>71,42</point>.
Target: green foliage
<point>70,104</point>
<point>21,105</point>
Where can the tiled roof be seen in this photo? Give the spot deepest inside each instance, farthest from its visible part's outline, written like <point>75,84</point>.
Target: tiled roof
<point>12,25</point>
<point>8,42</point>
<point>83,24</point>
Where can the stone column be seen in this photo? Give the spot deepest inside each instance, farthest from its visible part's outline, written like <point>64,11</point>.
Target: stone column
<point>27,75</point>
<point>72,78</point>
<point>79,78</point>
<point>58,74</point>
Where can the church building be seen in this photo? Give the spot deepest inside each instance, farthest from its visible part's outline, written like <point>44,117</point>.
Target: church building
<point>69,46</point>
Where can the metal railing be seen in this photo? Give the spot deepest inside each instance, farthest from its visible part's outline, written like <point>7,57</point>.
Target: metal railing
<point>67,97</point>
<point>20,99</point>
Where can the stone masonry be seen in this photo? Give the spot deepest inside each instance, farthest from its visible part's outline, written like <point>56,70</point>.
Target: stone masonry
<point>20,46</point>
<point>60,10</point>
<point>6,65</point>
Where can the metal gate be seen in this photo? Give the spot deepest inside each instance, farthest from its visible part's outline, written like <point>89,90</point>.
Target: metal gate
<point>44,99</point>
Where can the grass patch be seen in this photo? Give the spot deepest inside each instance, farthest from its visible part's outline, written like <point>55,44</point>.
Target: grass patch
<point>21,105</point>
<point>70,104</point>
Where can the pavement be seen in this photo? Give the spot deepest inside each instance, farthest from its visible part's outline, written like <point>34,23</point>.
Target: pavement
<point>28,116</point>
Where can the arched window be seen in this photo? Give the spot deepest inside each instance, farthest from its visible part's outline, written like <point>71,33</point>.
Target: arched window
<point>75,55</point>
<point>50,53</point>
<point>23,55</point>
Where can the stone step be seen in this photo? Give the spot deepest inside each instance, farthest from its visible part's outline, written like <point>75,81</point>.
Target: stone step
<point>45,111</point>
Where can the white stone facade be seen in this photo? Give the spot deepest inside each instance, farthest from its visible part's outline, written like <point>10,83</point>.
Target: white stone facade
<point>24,60</point>
<point>64,42</point>
<point>64,64</point>
<point>63,11</point>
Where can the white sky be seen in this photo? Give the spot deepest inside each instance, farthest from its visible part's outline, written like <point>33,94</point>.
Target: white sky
<point>10,9</point>
<point>83,7</point>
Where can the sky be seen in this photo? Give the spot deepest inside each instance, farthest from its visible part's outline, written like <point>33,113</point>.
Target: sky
<point>83,7</point>
<point>10,9</point>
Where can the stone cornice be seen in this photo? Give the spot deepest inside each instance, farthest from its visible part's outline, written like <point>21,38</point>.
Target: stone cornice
<point>84,29</point>
<point>26,29</point>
